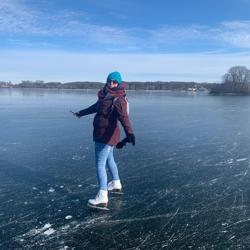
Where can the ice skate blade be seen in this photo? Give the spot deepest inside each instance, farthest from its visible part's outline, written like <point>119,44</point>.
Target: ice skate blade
<point>98,207</point>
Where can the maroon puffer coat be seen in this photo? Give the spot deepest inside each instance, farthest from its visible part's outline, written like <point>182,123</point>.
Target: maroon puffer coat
<point>110,107</point>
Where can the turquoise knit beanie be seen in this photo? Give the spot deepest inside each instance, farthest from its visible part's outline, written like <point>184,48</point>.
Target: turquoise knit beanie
<point>116,76</point>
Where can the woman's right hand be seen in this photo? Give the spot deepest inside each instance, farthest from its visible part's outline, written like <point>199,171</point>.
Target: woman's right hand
<point>131,139</point>
<point>77,114</point>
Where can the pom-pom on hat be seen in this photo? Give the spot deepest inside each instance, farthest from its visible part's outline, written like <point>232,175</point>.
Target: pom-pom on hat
<point>115,76</point>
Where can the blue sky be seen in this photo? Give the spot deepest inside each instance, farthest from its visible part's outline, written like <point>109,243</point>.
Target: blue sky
<point>52,40</point>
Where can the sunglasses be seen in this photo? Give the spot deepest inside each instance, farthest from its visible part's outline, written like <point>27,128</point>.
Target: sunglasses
<point>112,81</point>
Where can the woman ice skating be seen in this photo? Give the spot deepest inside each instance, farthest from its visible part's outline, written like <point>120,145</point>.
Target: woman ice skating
<point>110,108</point>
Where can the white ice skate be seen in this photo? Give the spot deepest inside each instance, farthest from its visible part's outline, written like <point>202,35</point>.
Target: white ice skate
<point>115,187</point>
<point>100,201</point>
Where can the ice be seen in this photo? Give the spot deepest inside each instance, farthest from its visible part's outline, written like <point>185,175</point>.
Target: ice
<point>3,149</point>
<point>64,248</point>
<point>13,143</point>
<point>186,182</point>
<point>78,157</point>
<point>229,161</point>
<point>213,181</point>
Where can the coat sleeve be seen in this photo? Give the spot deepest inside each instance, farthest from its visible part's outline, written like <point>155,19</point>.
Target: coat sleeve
<point>121,110</point>
<point>90,110</point>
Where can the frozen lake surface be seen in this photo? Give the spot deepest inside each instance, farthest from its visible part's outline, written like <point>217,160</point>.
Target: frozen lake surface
<point>186,182</point>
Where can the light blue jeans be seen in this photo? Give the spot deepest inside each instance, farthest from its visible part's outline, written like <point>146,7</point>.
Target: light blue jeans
<point>103,155</point>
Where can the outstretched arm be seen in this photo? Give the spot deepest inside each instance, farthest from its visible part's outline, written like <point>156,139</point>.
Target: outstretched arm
<point>90,110</point>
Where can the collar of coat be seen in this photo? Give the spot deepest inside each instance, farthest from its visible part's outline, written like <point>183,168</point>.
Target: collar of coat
<point>114,92</point>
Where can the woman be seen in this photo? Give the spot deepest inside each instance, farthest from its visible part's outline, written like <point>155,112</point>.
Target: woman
<point>110,108</point>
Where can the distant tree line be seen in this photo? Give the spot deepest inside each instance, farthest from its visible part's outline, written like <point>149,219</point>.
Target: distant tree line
<point>235,81</point>
<point>159,85</point>
<point>5,84</point>
<point>59,85</point>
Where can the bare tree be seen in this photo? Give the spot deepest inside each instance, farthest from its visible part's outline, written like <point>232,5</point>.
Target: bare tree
<point>237,75</point>
<point>237,80</point>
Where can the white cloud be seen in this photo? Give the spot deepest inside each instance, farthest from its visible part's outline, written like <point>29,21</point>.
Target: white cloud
<point>237,25</point>
<point>176,34</point>
<point>30,44</point>
<point>16,17</point>
<point>65,66</point>
<point>236,33</point>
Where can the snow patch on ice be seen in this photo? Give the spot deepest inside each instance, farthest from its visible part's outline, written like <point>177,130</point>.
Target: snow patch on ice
<point>36,231</point>
<point>51,190</point>
<point>241,159</point>
<point>49,231</point>
<point>68,217</point>
<point>213,181</point>
<point>47,225</point>
<point>64,248</point>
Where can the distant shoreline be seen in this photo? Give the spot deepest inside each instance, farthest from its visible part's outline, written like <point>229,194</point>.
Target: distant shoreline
<point>132,90</point>
<point>157,86</point>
